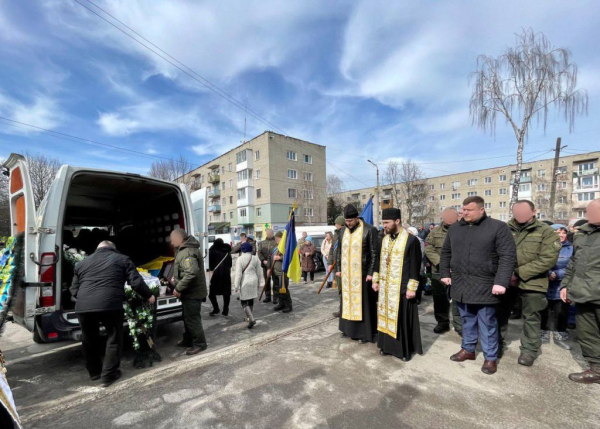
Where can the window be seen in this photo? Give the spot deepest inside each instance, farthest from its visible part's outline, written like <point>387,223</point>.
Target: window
<point>242,175</point>
<point>223,185</point>
<point>562,200</point>
<point>562,185</point>
<point>258,212</point>
<point>456,196</point>
<point>585,167</point>
<point>230,183</point>
<point>502,204</point>
<point>525,187</point>
<point>224,201</point>
<point>589,181</point>
<point>308,211</point>
<point>308,194</point>
<point>243,212</point>
<point>488,192</point>
<point>561,170</point>
<point>257,174</point>
<point>487,205</point>
<point>431,187</point>
<point>241,194</point>
<point>292,156</point>
<point>586,196</point>
<point>223,170</point>
<point>502,191</point>
<point>432,198</point>
<point>472,182</point>
<point>240,157</point>
<point>442,185</point>
<point>580,213</point>
<point>292,193</point>
<point>541,187</point>
<point>472,194</point>
<point>230,200</point>
<point>257,155</point>
<point>502,178</point>
<point>525,173</point>
<point>217,217</point>
<point>442,197</point>
<point>230,168</point>
<point>308,159</point>
<point>308,177</point>
<point>488,180</point>
<point>292,174</point>
<point>503,217</point>
<point>561,215</point>
<point>541,173</point>
<point>230,215</point>
<point>455,184</point>
<point>258,193</point>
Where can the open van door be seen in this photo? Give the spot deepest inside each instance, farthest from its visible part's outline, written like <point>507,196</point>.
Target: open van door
<point>198,200</point>
<point>23,220</point>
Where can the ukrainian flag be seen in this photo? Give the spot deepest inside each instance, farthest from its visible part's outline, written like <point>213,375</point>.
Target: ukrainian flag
<point>288,247</point>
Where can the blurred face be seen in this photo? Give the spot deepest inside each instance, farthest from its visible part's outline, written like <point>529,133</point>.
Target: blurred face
<point>176,239</point>
<point>351,223</point>
<point>269,233</point>
<point>304,235</point>
<point>243,238</point>
<point>593,212</point>
<point>277,240</point>
<point>523,213</point>
<point>472,213</point>
<point>562,234</point>
<point>328,237</point>
<point>391,226</point>
<point>449,217</point>
<point>461,214</point>
<point>431,227</point>
<point>338,226</point>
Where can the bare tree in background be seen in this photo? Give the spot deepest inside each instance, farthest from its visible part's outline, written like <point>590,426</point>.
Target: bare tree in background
<point>42,171</point>
<point>522,84</point>
<point>5,229</point>
<point>171,169</point>
<point>410,191</point>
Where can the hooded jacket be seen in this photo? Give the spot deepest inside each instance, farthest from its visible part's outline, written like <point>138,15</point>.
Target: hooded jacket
<point>188,271</point>
<point>582,277</point>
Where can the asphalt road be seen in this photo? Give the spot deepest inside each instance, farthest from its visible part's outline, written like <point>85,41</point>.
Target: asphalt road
<point>295,371</point>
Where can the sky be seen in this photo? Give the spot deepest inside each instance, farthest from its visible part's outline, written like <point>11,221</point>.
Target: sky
<point>368,79</point>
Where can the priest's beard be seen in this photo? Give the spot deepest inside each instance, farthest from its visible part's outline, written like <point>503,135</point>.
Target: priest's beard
<point>392,229</point>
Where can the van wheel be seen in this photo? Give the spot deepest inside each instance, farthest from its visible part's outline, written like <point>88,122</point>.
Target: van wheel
<point>37,338</point>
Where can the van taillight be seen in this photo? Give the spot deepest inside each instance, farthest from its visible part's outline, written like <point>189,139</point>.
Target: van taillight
<point>47,273</point>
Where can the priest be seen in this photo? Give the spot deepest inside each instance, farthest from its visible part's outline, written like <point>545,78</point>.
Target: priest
<point>396,279</point>
<point>357,251</point>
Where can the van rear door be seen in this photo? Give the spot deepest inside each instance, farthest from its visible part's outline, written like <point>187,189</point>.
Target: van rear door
<point>23,220</point>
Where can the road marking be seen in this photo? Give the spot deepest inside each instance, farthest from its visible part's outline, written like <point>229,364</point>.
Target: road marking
<point>36,355</point>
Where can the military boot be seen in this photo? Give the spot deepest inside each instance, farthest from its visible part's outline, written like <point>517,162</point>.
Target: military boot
<point>288,304</point>
<point>275,296</point>
<point>560,339</point>
<point>590,376</point>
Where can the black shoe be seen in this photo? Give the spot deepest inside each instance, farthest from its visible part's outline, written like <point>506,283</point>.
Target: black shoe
<point>382,353</point>
<point>362,341</point>
<point>214,312</point>
<point>275,301</point>
<point>225,313</point>
<point>279,307</point>
<point>107,383</point>
<point>194,350</point>
<point>526,360</point>
<point>251,324</point>
<point>267,299</point>
<point>183,343</point>
<point>440,329</point>
<point>571,326</point>
<point>515,316</point>
<point>329,285</point>
<point>95,377</point>
<point>287,309</point>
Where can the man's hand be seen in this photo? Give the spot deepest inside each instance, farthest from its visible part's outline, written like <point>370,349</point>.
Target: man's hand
<point>152,300</point>
<point>563,296</point>
<point>268,273</point>
<point>265,263</point>
<point>172,280</point>
<point>375,287</point>
<point>498,290</point>
<point>369,278</point>
<point>447,281</point>
<point>410,294</point>
<point>277,257</point>
<point>338,274</point>
<point>176,294</point>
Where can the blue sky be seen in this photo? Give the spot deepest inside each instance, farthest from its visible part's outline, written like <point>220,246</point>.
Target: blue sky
<point>368,79</point>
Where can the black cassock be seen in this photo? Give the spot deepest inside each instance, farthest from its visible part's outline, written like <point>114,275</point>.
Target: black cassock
<point>408,333</point>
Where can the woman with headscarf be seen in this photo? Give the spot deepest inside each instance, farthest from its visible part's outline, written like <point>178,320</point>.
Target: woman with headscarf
<point>219,269</point>
<point>555,316</point>
<point>248,279</point>
<point>307,251</point>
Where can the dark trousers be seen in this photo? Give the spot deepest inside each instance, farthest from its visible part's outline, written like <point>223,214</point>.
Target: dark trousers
<point>248,303</point>
<point>503,311</point>
<point>267,284</point>
<point>441,305</point>
<point>192,322</point>
<point>588,331</point>
<point>284,298</point>
<point>479,323</point>
<point>533,305</point>
<point>93,345</point>
<point>555,316</point>
<point>305,275</point>
<point>215,303</point>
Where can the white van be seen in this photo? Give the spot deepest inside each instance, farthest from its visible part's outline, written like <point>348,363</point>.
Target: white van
<point>136,212</point>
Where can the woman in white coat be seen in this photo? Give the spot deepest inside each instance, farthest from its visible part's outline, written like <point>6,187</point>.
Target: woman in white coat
<point>248,279</point>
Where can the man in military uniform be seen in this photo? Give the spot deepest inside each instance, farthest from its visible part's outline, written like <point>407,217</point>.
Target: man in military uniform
<point>581,285</point>
<point>538,247</point>
<point>190,287</point>
<point>265,248</point>
<point>433,249</point>
<point>339,223</point>
<point>279,280</point>
<point>237,249</point>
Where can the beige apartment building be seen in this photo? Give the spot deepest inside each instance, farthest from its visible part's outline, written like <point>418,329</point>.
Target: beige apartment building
<point>577,184</point>
<point>255,185</point>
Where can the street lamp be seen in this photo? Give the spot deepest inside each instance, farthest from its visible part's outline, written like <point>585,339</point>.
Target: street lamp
<point>376,221</point>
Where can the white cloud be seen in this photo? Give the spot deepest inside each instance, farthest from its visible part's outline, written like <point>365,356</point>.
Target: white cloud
<point>42,112</point>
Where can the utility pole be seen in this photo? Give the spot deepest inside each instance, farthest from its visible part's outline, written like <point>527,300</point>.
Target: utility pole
<point>376,214</point>
<point>554,174</point>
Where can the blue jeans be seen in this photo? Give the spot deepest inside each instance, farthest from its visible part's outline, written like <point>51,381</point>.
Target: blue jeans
<point>479,323</point>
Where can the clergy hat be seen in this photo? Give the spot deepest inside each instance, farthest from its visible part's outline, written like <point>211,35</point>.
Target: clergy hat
<point>350,212</point>
<point>390,214</point>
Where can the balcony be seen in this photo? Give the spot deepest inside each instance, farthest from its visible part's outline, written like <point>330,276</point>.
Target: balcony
<point>214,193</point>
<point>248,219</point>
<point>214,178</point>
<point>248,200</point>
<point>589,172</point>
<point>215,208</point>
<point>195,186</point>
<point>244,164</point>
<point>523,180</point>
<point>245,183</point>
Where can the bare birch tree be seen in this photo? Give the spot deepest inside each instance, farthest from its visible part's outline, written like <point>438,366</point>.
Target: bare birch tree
<point>170,169</point>
<point>521,85</point>
<point>42,171</point>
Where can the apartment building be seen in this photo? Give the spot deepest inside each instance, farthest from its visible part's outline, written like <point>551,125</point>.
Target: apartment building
<point>577,184</point>
<point>255,185</point>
